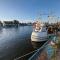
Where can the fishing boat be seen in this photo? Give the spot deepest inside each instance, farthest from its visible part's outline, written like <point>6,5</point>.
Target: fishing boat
<point>39,33</point>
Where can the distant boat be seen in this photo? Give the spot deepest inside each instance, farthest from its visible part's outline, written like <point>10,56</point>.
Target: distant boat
<point>40,33</point>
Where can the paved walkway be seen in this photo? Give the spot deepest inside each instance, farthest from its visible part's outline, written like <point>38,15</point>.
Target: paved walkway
<point>58,54</point>
<point>43,56</point>
<point>58,51</point>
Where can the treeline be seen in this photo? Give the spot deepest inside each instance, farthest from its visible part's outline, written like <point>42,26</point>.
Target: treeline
<point>13,23</point>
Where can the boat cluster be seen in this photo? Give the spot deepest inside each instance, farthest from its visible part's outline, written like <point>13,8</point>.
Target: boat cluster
<point>41,31</point>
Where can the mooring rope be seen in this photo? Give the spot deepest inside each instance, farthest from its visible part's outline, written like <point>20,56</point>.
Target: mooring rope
<point>25,55</point>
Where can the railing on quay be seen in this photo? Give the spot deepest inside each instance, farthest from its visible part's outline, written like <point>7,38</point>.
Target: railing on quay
<point>34,53</point>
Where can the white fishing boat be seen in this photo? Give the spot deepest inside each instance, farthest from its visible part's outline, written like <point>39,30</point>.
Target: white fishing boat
<point>40,33</point>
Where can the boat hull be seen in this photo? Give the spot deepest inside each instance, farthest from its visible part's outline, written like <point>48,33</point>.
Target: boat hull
<point>37,44</point>
<point>39,36</point>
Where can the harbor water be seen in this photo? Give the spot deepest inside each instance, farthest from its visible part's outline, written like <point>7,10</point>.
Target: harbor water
<point>15,42</point>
